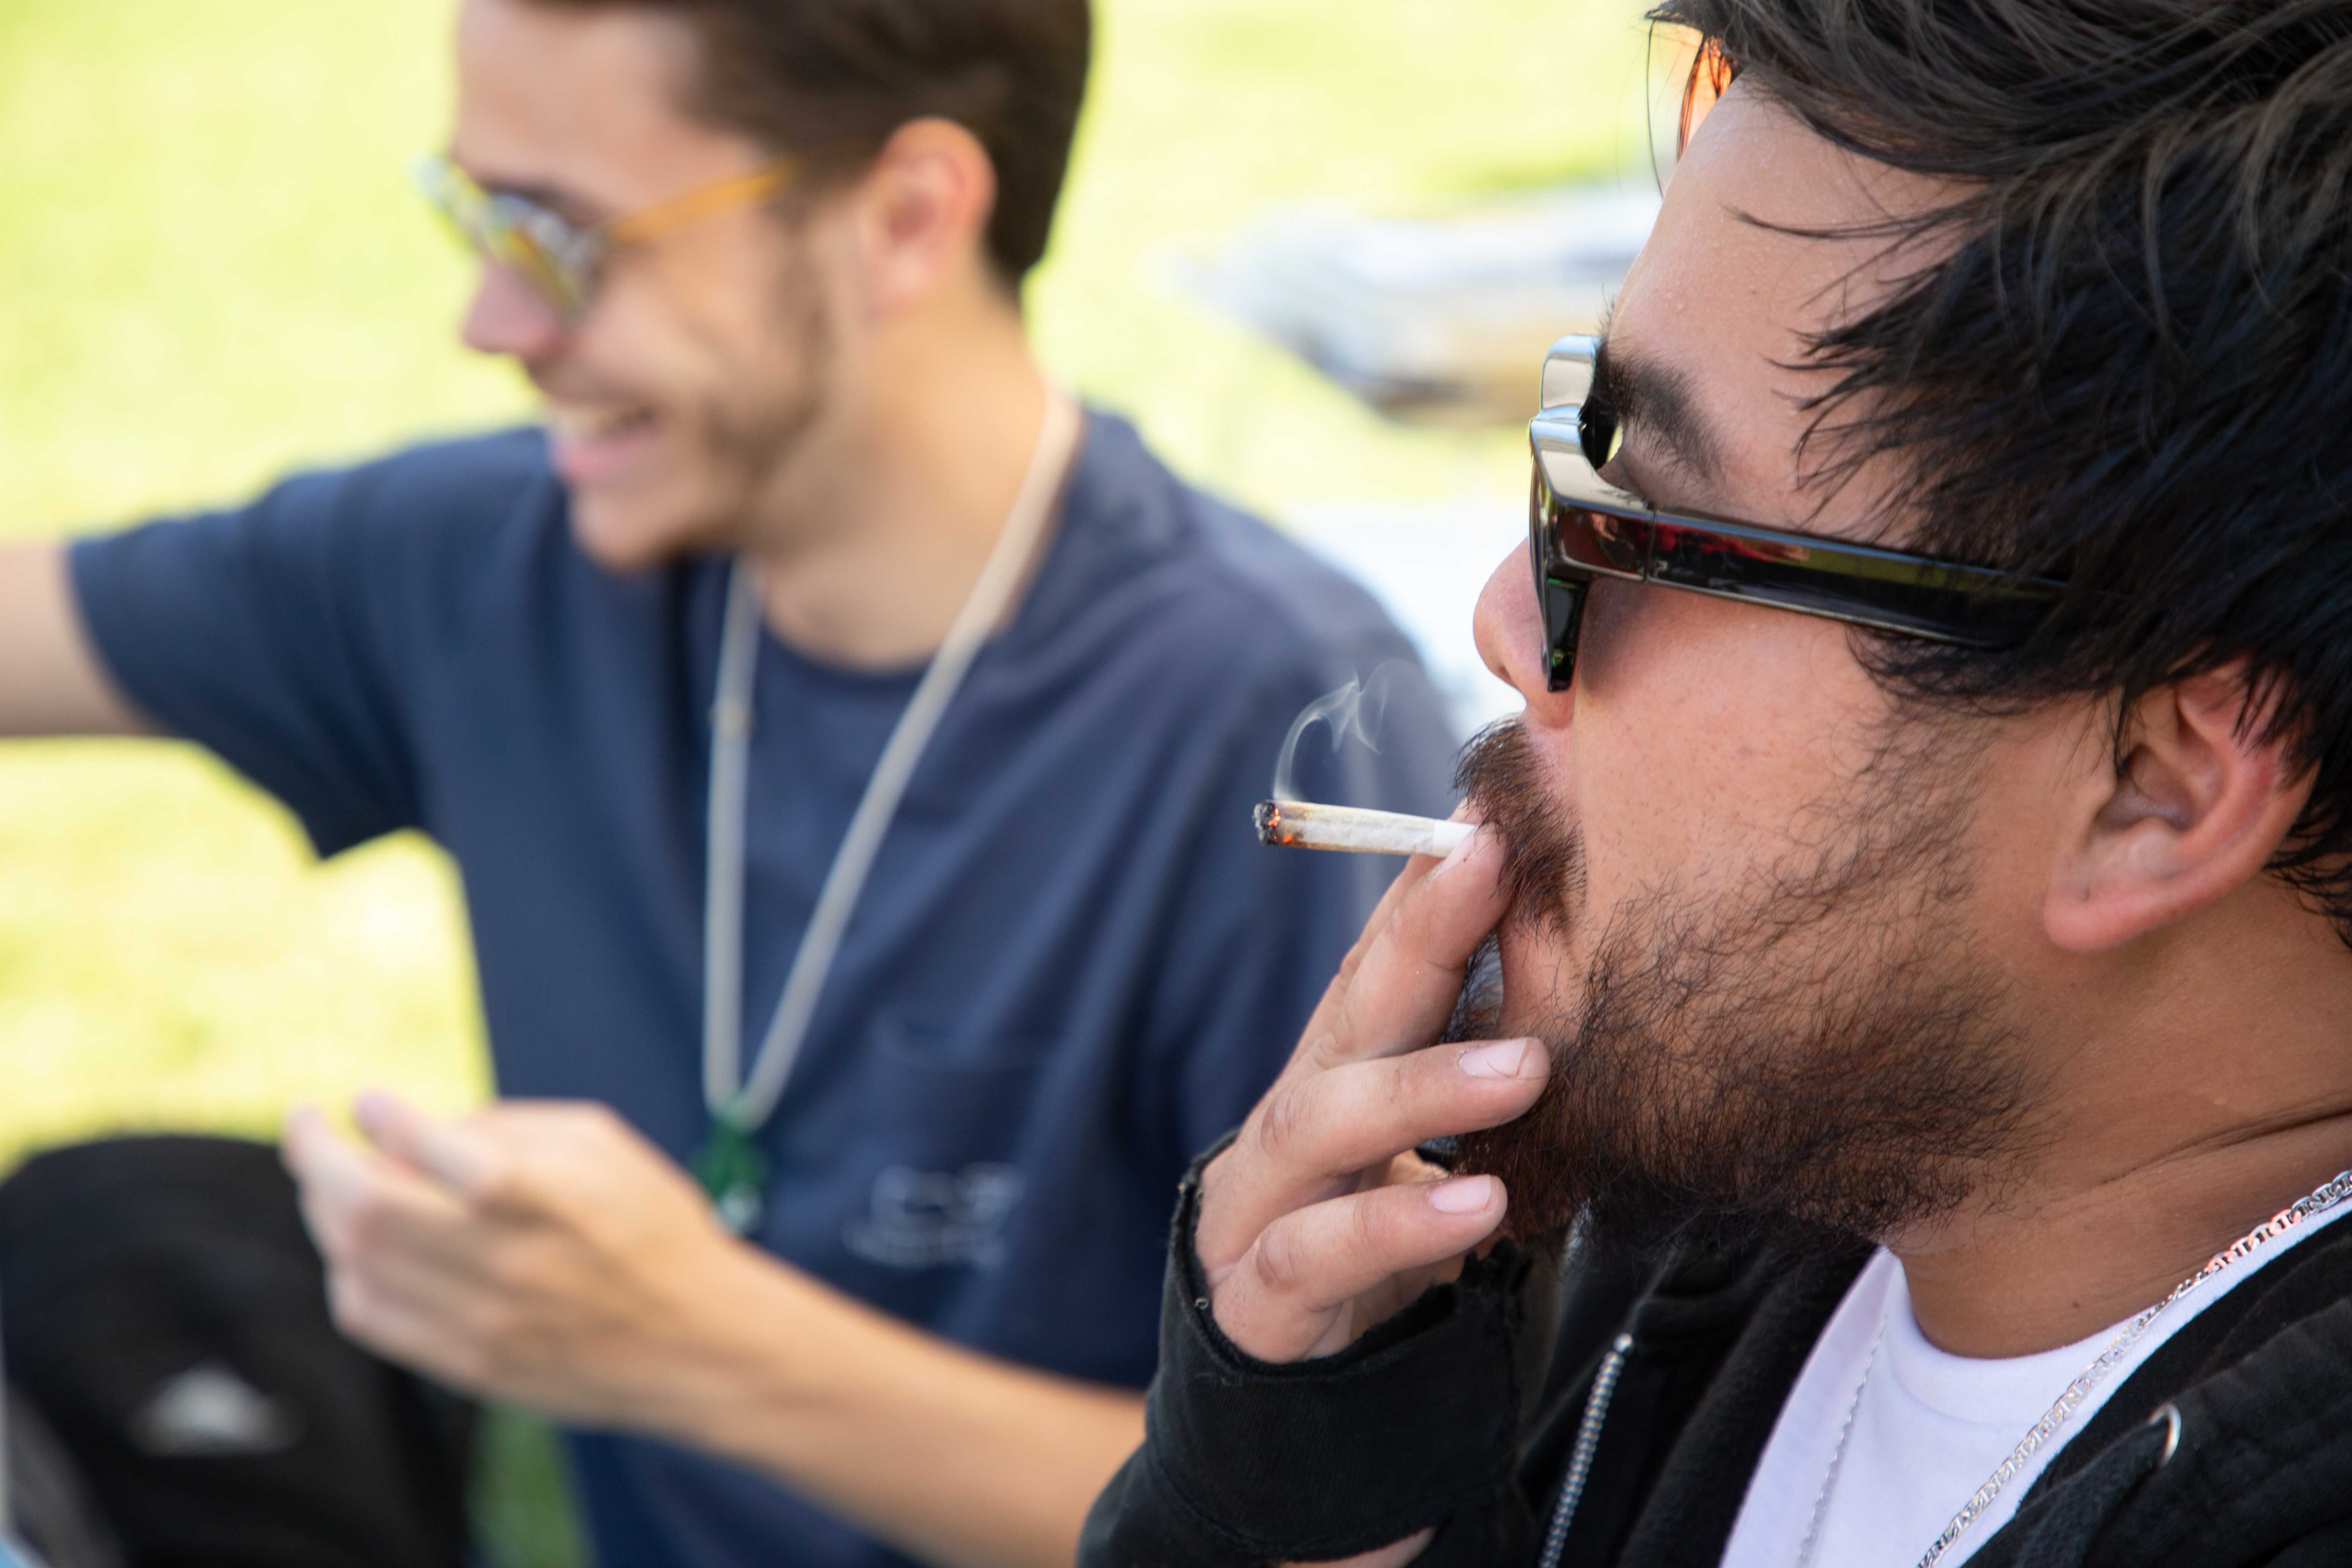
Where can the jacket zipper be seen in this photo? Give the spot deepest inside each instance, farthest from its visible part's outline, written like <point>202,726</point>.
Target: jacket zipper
<point>1580,1460</point>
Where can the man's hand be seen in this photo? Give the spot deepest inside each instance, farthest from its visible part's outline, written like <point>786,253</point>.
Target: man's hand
<point>548,1255</point>
<point>540,1253</point>
<point>1319,1222</point>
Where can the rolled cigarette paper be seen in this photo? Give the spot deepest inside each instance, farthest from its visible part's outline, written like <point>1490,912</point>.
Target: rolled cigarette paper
<point>1302,824</point>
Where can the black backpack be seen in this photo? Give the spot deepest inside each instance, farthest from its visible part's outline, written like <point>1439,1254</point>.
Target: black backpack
<point>164,1314</point>
<point>50,1511</point>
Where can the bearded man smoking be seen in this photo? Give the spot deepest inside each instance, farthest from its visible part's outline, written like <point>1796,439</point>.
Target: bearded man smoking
<point>1908,1103</point>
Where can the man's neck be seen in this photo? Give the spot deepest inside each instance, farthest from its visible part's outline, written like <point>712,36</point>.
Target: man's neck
<point>2218,1095</point>
<point>889,524</point>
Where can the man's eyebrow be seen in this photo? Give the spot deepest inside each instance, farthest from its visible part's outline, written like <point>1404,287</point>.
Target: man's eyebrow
<point>1657,401</point>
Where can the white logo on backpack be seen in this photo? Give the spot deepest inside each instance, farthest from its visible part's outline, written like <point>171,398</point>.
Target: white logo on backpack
<point>209,1409</point>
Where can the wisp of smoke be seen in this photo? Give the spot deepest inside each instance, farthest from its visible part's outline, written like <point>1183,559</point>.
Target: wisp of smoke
<point>1354,709</point>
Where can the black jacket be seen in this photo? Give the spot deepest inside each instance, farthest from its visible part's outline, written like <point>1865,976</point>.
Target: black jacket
<point>1465,1411</point>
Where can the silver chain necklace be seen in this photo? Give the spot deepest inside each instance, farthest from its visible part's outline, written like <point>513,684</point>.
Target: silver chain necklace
<point>2321,1200</point>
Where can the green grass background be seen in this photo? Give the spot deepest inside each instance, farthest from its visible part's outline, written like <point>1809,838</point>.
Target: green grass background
<point>212,271</point>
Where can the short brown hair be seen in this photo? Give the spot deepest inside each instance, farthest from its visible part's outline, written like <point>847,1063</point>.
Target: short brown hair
<point>830,80</point>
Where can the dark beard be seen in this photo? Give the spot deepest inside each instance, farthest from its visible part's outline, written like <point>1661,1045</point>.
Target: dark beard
<point>1816,1058</point>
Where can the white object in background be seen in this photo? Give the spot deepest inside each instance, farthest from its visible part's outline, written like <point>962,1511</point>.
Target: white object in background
<point>210,1410</point>
<point>1440,320</point>
<point>1426,566</point>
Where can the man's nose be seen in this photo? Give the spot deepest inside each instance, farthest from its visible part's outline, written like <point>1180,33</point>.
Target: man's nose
<point>1510,635</point>
<point>508,317</point>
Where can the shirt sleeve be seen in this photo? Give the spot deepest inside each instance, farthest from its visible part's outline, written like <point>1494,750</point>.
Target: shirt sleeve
<point>1414,1426</point>
<point>1260,931</point>
<point>282,637</point>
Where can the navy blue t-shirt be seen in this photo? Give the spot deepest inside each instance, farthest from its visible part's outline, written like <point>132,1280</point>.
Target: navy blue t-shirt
<point>1073,966</point>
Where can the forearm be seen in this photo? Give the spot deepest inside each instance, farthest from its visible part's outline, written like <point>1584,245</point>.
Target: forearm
<point>954,1458</point>
<point>51,682</point>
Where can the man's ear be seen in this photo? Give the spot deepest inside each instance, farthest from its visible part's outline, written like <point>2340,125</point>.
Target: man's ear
<point>921,213</point>
<point>2203,801</point>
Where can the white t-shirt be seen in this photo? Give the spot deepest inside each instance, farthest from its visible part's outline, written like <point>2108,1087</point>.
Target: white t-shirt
<point>1931,1426</point>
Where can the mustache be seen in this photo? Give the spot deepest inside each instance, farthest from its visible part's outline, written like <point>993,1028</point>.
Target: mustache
<point>1508,784</point>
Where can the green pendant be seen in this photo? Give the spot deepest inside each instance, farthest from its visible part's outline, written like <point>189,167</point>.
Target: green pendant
<point>734,1172</point>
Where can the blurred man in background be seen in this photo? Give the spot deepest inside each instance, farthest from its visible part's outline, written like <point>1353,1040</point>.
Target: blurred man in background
<point>819,687</point>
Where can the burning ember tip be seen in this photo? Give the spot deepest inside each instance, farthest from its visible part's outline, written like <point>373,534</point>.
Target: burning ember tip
<point>1303,825</point>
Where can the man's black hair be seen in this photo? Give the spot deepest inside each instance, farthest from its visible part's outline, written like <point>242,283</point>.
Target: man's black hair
<point>829,80</point>
<point>2130,363</point>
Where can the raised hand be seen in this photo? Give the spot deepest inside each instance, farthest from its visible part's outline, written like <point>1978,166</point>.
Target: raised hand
<point>539,1252</point>
<point>1319,1222</point>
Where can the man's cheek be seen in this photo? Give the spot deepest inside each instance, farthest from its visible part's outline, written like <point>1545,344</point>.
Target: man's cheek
<point>1648,811</point>
<point>1679,818</point>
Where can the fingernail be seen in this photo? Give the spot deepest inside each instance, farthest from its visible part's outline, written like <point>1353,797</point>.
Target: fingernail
<point>1463,1195</point>
<point>1505,1058</point>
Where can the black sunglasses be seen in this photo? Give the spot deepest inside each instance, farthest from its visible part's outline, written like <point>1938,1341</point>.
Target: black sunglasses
<point>1581,528</point>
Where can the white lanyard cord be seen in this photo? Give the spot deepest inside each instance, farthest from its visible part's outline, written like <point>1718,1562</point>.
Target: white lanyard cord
<point>747,1103</point>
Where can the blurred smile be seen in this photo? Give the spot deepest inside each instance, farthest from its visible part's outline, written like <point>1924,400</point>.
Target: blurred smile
<point>593,444</point>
